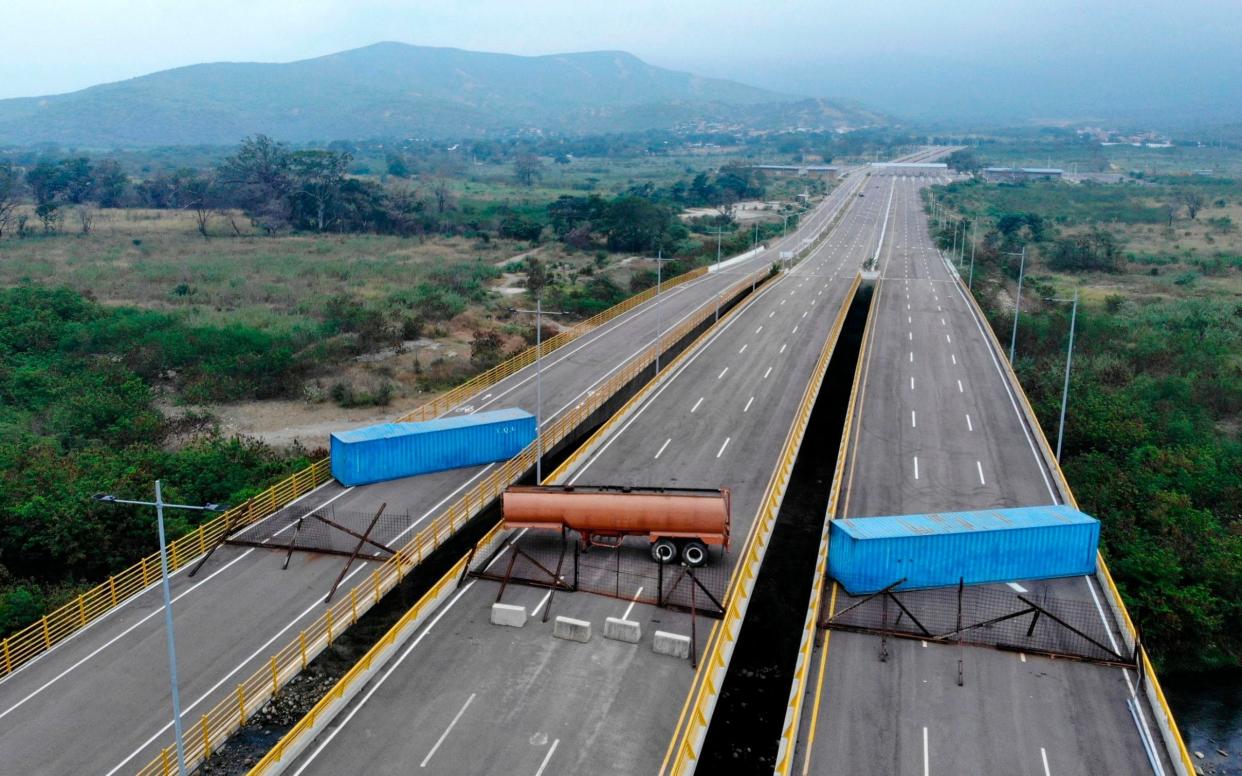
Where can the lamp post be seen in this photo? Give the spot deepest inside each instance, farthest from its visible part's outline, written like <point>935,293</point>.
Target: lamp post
<point>159,505</point>
<point>659,312</point>
<point>974,239</point>
<point>539,313</point>
<point>1069,360</point>
<point>1017,303</point>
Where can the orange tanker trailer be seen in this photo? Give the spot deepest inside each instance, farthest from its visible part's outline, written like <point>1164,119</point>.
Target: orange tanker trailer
<point>684,520</point>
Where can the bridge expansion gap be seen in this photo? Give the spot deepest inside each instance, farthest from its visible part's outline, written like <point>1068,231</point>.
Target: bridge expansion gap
<point>745,729</point>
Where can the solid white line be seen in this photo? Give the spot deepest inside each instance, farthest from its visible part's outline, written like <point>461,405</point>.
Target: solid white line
<point>979,466</point>
<point>666,441</point>
<point>969,426</point>
<point>748,402</point>
<point>633,601</point>
<point>1043,753</point>
<point>447,730</point>
<point>722,447</point>
<point>926,764</point>
<point>916,467</point>
<point>696,404</point>
<point>547,757</point>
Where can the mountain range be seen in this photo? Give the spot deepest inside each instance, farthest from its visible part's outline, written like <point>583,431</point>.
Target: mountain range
<point>395,90</point>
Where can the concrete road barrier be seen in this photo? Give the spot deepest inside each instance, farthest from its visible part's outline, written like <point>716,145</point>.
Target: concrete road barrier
<point>622,630</point>
<point>674,644</point>
<point>508,614</point>
<point>571,629</point>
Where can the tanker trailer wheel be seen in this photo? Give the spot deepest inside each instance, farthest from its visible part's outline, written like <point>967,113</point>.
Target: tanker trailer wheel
<point>694,553</point>
<point>663,551</point>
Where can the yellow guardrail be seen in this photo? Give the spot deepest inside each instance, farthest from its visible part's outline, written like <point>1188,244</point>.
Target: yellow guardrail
<point>1170,732</point>
<point>793,711</point>
<point>51,629</point>
<point>44,633</point>
<point>290,741</point>
<point>686,745</point>
<point>229,714</point>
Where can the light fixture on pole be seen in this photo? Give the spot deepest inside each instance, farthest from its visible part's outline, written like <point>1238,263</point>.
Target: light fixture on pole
<point>1069,360</point>
<point>1017,302</point>
<point>159,505</point>
<point>539,313</point>
<point>659,312</point>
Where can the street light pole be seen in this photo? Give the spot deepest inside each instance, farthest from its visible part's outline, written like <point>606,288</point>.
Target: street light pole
<point>538,311</point>
<point>974,239</point>
<point>167,593</point>
<point>1017,304</point>
<point>1069,359</point>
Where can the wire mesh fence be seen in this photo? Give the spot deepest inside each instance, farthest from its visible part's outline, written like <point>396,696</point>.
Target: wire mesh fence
<point>984,616</point>
<point>627,571</point>
<point>330,530</point>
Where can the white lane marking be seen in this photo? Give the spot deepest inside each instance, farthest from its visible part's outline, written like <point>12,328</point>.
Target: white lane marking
<point>661,450</point>
<point>942,323</point>
<point>547,757</point>
<point>916,467</point>
<point>541,603</point>
<point>979,466</point>
<point>926,764</point>
<point>696,404</point>
<point>911,335</point>
<point>804,314</point>
<point>954,357</point>
<point>1016,587</point>
<point>447,730</point>
<point>722,373</point>
<point>795,330</point>
<point>748,402</point>
<point>909,319</point>
<point>913,422</point>
<point>960,389</point>
<point>911,356</point>
<point>912,383</point>
<point>720,452</point>
<point>765,374</point>
<point>969,426</point>
<point>758,330</point>
<point>743,350</point>
<point>771,313</point>
<point>1023,656</point>
<point>783,346</point>
<point>782,302</point>
<point>948,339</point>
<point>1043,753</point>
<point>633,601</point>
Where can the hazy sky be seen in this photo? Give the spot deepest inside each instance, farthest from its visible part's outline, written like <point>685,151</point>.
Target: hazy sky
<point>890,54</point>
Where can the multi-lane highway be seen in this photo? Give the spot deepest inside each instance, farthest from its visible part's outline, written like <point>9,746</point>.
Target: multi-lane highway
<point>938,427</point>
<point>98,702</point>
<point>467,696</point>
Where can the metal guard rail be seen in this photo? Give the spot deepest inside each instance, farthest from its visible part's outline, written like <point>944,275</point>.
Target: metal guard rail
<point>214,727</point>
<point>46,632</point>
<point>686,745</point>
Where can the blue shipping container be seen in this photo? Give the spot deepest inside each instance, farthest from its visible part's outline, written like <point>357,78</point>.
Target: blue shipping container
<point>867,554</point>
<point>392,450</point>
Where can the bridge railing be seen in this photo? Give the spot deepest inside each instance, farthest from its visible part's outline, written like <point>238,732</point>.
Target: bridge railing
<point>33,640</point>
<point>229,714</point>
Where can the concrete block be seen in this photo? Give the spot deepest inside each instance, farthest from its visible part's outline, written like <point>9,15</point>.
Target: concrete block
<point>571,629</point>
<point>674,644</point>
<point>508,614</point>
<point>622,630</point>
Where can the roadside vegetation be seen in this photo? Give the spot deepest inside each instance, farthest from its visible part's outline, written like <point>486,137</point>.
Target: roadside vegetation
<point>1152,435</point>
<point>149,300</point>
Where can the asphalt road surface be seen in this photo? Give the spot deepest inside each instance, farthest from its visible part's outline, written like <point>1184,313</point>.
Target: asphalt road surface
<point>938,428</point>
<point>99,702</point>
<point>466,696</point>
